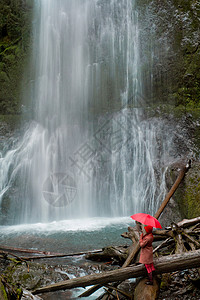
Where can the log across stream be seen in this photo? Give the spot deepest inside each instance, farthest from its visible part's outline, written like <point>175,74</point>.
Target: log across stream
<point>163,265</point>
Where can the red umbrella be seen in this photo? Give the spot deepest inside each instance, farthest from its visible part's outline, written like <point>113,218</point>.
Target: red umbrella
<point>146,220</point>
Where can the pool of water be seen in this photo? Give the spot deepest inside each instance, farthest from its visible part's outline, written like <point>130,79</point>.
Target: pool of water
<point>67,236</point>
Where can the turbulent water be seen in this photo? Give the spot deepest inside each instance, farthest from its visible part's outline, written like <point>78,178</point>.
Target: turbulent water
<point>88,150</point>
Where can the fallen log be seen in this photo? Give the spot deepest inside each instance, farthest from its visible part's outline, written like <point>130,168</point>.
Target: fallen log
<point>188,222</point>
<point>46,254</point>
<point>109,254</point>
<point>164,264</point>
<point>163,244</point>
<point>25,250</point>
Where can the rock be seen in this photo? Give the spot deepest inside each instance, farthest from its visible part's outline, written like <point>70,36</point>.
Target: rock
<point>188,193</point>
<point>28,296</point>
<point>38,275</point>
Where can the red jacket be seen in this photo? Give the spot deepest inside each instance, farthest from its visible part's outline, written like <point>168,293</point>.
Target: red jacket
<point>146,254</point>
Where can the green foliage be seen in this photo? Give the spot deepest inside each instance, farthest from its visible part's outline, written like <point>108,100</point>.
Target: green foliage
<point>15,34</point>
<point>188,196</point>
<point>3,291</point>
<point>172,27</point>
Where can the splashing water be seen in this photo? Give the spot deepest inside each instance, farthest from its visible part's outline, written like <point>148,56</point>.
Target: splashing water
<point>88,151</point>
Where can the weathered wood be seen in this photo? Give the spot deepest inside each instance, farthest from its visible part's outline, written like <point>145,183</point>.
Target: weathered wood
<point>192,240</point>
<point>26,250</point>
<point>160,210</point>
<point>188,222</point>
<point>109,253</point>
<point>165,233</point>
<point>163,265</point>
<point>46,254</point>
<point>131,255</point>
<point>144,292</point>
<point>132,234</point>
<point>163,244</point>
<point>177,236</point>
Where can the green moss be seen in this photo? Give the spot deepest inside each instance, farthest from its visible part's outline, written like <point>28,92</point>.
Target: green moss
<point>3,291</point>
<point>26,276</point>
<point>3,77</point>
<point>188,194</point>
<point>15,37</point>
<point>165,281</point>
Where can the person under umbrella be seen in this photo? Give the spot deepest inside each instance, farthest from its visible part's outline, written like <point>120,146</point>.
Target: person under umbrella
<point>146,254</point>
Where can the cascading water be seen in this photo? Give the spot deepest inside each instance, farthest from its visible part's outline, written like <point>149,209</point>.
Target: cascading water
<point>88,151</point>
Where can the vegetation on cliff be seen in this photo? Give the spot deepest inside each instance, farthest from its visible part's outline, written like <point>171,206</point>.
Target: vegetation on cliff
<point>15,32</point>
<point>173,54</point>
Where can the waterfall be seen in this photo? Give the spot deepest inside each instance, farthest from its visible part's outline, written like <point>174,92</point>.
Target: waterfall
<point>88,150</point>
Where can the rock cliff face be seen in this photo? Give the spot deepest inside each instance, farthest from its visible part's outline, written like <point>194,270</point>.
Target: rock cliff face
<point>173,55</point>
<point>169,28</point>
<point>173,59</point>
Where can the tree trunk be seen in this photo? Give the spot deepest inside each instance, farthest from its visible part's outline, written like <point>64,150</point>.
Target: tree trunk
<point>163,265</point>
<point>144,292</point>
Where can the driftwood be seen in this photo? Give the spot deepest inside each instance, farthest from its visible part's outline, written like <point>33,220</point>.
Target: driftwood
<point>46,254</point>
<point>144,292</point>
<point>189,222</point>
<point>133,233</point>
<point>175,237</point>
<point>109,254</point>
<point>163,264</point>
<point>183,170</point>
<point>25,250</point>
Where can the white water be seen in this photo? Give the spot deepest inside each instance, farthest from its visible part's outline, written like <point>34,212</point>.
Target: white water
<point>85,128</point>
<point>91,224</point>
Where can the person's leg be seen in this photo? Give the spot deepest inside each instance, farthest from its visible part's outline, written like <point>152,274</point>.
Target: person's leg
<point>150,268</point>
<point>150,282</point>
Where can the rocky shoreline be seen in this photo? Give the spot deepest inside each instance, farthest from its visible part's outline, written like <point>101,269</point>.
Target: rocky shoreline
<point>173,286</point>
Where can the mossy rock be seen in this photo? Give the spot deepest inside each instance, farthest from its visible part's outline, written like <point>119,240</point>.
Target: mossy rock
<point>36,276</point>
<point>3,77</point>
<point>191,198</point>
<point>187,196</point>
